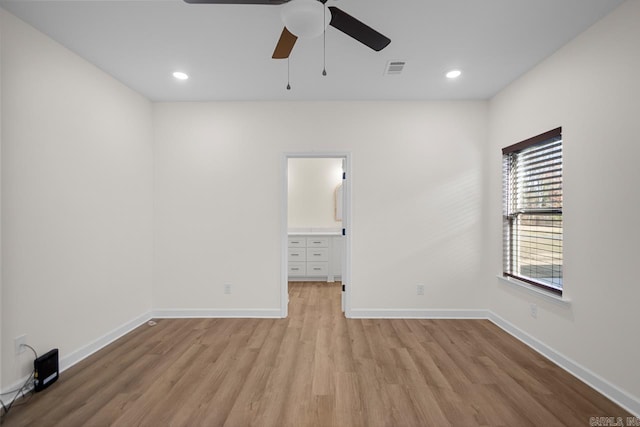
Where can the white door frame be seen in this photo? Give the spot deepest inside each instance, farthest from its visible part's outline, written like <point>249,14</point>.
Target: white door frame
<point>346,224</point>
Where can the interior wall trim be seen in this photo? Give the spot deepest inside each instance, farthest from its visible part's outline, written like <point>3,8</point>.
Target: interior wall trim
<point>377,313</point>
<point>85,351</point>
<point>621,397</point>
<point>189,313</point>
<point>616,394</point>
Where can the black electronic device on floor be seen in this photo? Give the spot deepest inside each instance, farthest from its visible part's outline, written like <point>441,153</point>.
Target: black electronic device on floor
<point>46,370</point>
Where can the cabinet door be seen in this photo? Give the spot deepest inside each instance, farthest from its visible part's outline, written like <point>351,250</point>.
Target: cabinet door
<point>315,269</point>
<point>297,242</point>
<point>317,242</point>
<point>317,254</point>
<point>297,269</point>
<point>297,254</point>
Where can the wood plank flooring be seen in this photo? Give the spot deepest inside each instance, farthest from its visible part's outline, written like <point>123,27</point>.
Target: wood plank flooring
<point>315,368</point>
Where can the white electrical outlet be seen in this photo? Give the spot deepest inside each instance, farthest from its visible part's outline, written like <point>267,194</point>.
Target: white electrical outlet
<point>420,289</point>
<point>19,343</point>
<point>534,311</point>
<point>227,288</point>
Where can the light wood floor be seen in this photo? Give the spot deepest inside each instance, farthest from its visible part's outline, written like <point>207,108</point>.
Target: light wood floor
<point>315,368</point>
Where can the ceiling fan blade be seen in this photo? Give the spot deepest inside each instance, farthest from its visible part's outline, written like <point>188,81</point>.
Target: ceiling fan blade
<point>358,30</point>
<point>285,45</point>
<point>276,2</point>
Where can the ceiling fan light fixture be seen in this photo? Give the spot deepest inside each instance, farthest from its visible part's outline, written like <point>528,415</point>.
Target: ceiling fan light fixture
<point>180,75</point>
<point>453,74</point>
<point>306,18</point>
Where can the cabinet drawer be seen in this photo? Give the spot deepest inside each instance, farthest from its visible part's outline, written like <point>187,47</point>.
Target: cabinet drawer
<point>317,268</point>
<point>317,254</point>
<point>297,254</point>
<point>317,242</point>
<point>297,269</point>
<point>297,242</point>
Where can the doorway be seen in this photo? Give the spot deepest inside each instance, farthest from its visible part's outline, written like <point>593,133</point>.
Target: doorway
<point>316,238</point>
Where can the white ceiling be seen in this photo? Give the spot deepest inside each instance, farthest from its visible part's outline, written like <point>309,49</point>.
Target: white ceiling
<point>226,49</point>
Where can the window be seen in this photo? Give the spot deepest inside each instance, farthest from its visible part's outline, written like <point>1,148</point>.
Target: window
<point>532,211</point>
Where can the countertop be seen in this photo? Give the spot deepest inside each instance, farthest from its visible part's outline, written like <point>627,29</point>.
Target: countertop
<point>315,232</point>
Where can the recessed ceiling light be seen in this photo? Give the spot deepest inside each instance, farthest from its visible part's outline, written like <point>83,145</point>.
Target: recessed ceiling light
<point>180,75</point>
<point>453,74</point>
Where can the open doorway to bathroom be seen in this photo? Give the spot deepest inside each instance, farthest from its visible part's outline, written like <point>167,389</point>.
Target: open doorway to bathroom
<point>315,234</point>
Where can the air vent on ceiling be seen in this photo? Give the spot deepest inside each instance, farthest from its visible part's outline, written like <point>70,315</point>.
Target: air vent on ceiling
<point>394,67</point>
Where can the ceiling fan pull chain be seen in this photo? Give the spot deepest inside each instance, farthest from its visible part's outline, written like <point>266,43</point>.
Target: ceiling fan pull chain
<point>324,43</point>
<point>288,75</point>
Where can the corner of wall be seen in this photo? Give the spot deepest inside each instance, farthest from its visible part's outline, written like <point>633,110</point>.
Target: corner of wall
<point>79,235</point>
<point>573,88</point>
<point>2,322</point>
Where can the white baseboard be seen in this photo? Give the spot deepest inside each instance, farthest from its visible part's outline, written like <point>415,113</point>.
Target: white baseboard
<point>177,313</point>
<point>416,314</point>
<point>82,353</point>
<point>322,279</point>
<point>621,397</point>
<point>10,395</point>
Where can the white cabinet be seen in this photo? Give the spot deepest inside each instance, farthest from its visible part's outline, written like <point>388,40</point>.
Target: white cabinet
<point>317,269</point>
<point>298,242</point>
<point>318,254</point>
<point>335,262</point>
<point>297,269</point>
<point>315,257</point>
<point>317,242</point>
<point>297,254</point>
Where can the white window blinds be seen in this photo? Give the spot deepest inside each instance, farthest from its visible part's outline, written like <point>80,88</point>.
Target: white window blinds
<point>532,204</point>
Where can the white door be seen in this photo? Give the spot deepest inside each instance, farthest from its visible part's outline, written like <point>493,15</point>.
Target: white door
<point>343,241</point>
<point>345,215</point>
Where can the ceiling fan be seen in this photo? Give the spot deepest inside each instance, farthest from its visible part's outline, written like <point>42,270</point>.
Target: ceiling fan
<point>337,19</point>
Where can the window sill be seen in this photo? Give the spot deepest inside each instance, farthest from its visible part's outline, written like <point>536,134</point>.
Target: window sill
<point>533,290</point>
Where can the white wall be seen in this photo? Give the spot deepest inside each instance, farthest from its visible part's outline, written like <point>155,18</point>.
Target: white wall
<point>1,205</point>
<point>590,88</point>
<point>416,176</point>
<point>76,199</point>
<point>312,184</point>
<point>76,194</point>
